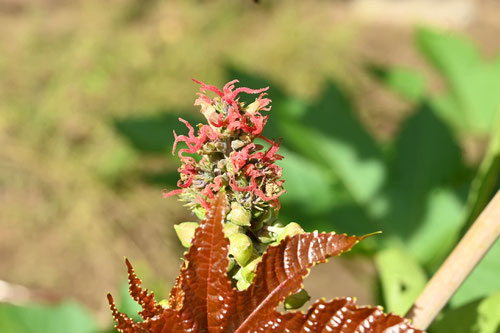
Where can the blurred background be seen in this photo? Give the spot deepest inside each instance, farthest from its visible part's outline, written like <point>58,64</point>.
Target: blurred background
<point>388,110</point>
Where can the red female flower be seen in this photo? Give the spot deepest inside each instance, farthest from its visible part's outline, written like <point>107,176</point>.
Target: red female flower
<point>229,157</point>
<point>225,110</point>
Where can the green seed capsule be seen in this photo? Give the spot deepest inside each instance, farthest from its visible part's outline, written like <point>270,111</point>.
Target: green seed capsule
<point>185,232</point>
<point>267,217</point>
<point>245,275</point>
<point>248,272</point>
<point>291,229</point>
<point>240,247</point>
<point>231,264</point>
<point>230,228</point>
<point>252,265</point>
<point>164,303</point>
<point>239,215</point>
<point>265,237</point>
<point>295,301</point>
<point>256,225</point>
<point>242,284</point>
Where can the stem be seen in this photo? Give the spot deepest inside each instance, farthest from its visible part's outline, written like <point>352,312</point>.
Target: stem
<point>459,264</point>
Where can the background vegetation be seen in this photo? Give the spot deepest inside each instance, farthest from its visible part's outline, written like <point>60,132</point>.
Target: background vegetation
<point>386,126</point>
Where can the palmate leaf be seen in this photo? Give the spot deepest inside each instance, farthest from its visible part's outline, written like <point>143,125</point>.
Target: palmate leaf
<point>203,299</point>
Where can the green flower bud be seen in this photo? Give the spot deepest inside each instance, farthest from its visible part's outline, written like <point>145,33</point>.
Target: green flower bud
<point>253,107</point>
<point>240,247</point>
<point>229,168</point>
<point>220,146</point>
<point>237,144</point>
<point>221,164</point>
<point>239,215</point>
<point>208,110</point>
<point>295,301</point>
<point>185,232</point>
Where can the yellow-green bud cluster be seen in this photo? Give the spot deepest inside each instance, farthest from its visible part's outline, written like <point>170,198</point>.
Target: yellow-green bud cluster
<point>246,244</point>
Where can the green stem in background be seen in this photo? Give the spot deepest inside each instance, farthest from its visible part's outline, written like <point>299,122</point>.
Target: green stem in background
<point>459,264</point>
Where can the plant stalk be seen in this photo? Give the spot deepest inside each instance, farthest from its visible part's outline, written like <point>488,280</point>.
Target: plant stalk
<point>472,247</point>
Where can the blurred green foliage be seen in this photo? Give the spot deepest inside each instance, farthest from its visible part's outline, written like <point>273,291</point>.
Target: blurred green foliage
<point>468,108</point>
<point>63,318</point>
<point>417,188</point>
<point>480,316</point>
<point>401,277</point>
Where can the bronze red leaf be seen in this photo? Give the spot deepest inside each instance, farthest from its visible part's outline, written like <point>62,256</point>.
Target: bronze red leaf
<point>203,300</point>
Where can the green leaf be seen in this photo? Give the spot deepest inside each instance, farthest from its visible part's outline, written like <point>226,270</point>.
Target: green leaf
<point>480,316</point>
<point>487,178</point>
<point>153,133</point>
<point>64,318</point>
<point>483,279</point>
<point>440,228</point>
<point>307,183</point>
<point>127,304</point>
<point>459,320</point>
<point>450,54</point>
<point>331,135</point>
<point>116,163</point>
<point>426,157</point>
<point>489,314</point>
<point>406,82</point>
<point>401,277</point>
<point>447,107</point>
<point>473,99</point>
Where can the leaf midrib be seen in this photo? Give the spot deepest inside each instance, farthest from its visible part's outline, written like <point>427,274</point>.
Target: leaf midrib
<point>264,302</point>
